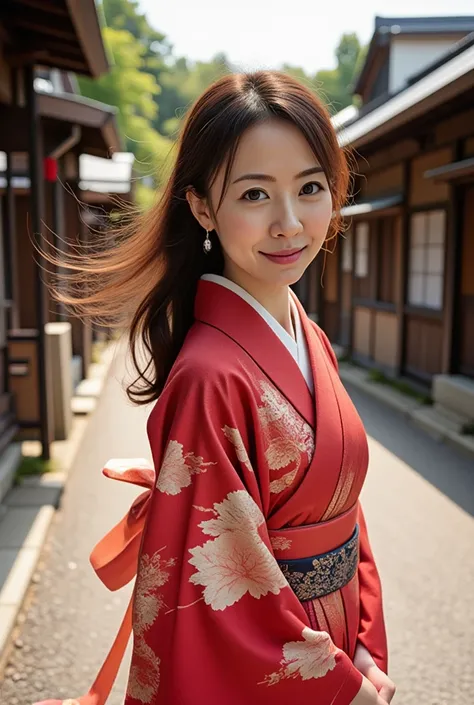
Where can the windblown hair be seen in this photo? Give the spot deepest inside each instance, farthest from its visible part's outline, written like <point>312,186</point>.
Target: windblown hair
<point>146,278</point>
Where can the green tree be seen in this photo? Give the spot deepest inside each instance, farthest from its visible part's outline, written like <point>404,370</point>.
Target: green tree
<point>125,85</point>
<point>125,14</point>
<point>182,83</point>
<point>133,92</point>
<point>156,51</point>
<point>347,55</point>
<point>336,85</point>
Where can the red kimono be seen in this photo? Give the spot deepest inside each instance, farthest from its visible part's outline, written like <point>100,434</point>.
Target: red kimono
<point>250,469</point>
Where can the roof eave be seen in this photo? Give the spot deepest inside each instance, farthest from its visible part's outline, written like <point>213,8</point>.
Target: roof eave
<point>88,114</point>
<point>371,53</point>
<point>86,22</point>
<point>408,110</point>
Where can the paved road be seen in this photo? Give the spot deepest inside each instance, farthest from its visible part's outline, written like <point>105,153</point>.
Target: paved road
<point>419,502</point>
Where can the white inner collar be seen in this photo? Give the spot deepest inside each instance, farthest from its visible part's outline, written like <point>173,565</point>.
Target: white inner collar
<point>298,348</point>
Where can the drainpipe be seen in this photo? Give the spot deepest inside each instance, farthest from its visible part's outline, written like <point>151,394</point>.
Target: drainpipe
<point>37,201</point>
<point>67,144</point>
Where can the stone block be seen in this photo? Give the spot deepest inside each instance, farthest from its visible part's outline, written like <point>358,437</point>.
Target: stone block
<point>9,462</point>
<point>456,393</point>
<point>58,336</point>
<point>25,526</point>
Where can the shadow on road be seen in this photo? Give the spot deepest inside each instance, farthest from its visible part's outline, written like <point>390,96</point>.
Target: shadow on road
<point>449,470</point>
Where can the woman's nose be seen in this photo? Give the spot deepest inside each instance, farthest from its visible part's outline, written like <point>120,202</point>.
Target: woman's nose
<point>287,224</point>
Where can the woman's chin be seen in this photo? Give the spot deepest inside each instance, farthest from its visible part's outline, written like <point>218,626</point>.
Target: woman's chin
<point>289,276</point>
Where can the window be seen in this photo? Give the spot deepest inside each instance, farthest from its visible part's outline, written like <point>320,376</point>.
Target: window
<point>362,251</point>
<point>347,253</point>
<point>426,271</point>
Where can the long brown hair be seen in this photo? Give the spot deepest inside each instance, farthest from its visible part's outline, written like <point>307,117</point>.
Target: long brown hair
<point>147,279</point>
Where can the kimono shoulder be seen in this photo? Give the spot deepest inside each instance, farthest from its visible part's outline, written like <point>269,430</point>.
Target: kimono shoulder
<point>209,375</point>
<point>209,354</point>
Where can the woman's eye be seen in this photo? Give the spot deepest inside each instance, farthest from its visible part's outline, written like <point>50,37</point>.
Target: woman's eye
<point>254,195</point>
<point>310,189</point>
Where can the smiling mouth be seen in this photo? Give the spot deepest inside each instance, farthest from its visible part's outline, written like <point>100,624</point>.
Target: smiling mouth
<point>284,253</point>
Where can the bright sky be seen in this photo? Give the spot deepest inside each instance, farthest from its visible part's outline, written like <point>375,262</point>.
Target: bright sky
<point>267,33</point>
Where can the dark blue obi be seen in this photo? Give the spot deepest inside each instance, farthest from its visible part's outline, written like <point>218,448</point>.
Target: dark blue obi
<point>318,576</point>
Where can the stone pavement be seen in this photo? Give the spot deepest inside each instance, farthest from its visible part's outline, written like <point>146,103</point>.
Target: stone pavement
<point>27,510</point>
<point>419,503</point>
<point>439,426</point>
<point>70,619</point>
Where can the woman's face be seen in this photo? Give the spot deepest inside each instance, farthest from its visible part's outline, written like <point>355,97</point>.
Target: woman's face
<point>276,212</point>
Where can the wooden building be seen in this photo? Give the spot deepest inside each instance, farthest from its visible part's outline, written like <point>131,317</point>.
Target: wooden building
<point>398,291</point>
<point>46,128</point>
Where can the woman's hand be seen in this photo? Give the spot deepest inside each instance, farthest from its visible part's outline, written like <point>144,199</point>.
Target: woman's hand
<point>364,663</point>
<point>367,695</point>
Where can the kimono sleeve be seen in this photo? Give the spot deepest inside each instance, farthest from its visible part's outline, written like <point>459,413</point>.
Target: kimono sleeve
<point>214,619</point>
<point>372,625</point>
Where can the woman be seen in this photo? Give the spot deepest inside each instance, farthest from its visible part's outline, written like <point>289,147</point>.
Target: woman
<point>256,583</point>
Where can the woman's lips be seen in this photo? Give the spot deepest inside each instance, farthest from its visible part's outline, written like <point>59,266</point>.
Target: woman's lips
<point>284,256</point>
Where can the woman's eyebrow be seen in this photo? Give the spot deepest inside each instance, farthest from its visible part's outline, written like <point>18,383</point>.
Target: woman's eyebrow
<point>267,177</point>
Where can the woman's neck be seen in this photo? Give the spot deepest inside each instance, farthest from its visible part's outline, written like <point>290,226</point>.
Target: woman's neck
<point>275,300</point>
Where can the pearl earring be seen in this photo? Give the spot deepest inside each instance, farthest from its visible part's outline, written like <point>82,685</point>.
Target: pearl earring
<point>207,246</point>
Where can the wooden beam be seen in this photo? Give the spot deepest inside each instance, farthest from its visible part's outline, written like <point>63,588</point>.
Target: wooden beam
<point>352,309</point>
<point>47,8</point>
<point>5,35</point>
<point>35,134</point>
<point>53,47</point>
<point>374,263</point>
<point>45,58</point>
<point>453,267</point>
<point>11,245</point>
<point>404,244</point>
<point>86,24</point>
<point>50,29</point>
<point>18,58</point>
<point>14,132</point>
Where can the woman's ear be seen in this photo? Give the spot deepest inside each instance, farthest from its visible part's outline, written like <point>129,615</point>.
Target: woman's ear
<point>199,209</point>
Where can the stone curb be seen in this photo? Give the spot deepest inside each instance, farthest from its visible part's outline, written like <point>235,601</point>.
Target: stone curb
<point>28,511</point>
<point>409,408</point>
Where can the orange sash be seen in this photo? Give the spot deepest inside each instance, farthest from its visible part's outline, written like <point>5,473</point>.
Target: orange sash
<point>115,560</point>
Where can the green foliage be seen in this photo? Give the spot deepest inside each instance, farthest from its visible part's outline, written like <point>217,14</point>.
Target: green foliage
<point>124,14</point>
<point>33,465</point>
<point>399,385</point>
<point>133,90</point>
<point>145,196</point>
<point>182,83</point>
<point>336,85</point>
<point>153,89</point>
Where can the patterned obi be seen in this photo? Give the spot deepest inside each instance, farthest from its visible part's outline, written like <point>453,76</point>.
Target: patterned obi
<point>319,559</point>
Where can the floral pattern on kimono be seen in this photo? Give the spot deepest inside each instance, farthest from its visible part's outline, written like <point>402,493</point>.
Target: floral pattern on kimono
<point>288,438</point>
<point>311,658</point>
<point>144,679</point>
<point>236,561</point>
<point>226,575</point>
<point>239,470</point>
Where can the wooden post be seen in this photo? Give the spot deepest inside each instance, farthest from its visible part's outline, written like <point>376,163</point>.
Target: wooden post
<point>352,309</point>
<point>374,274</point>
<point>403,255</point>
<point>37,202</point>
<point>10,246</point>
<point>453,268</point>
